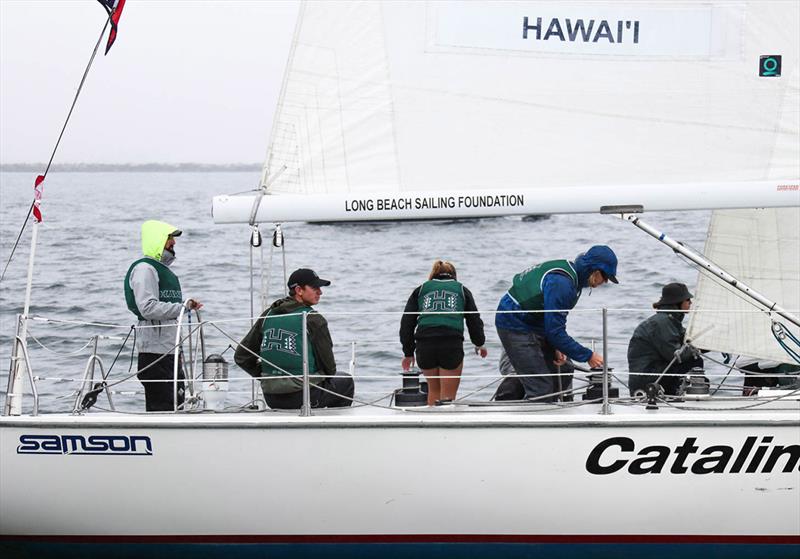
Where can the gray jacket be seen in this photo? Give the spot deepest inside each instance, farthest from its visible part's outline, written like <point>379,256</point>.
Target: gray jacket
<point>156,334</point>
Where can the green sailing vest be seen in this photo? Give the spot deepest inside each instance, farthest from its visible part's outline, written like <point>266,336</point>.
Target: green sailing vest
<point>527,286</point>
<point>441,296</point>
<point>169,288</point>
<point>282,353</point>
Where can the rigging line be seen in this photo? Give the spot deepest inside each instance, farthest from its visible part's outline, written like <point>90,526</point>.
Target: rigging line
<point>121,347</point>
<point>778,329</point>
<point>58,141</point>
<point>77,93</point>
<point>162,356</point>
<point>19,236</point>
<point>730,368</point>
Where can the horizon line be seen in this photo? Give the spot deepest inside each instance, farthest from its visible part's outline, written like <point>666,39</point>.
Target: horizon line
<point>149,166</point>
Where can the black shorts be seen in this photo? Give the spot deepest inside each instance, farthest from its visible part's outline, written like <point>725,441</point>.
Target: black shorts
<point>440,352</point>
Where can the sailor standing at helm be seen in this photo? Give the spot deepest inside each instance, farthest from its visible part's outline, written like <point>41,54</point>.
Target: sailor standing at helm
<point>153,293</point>
<point>553,286</point>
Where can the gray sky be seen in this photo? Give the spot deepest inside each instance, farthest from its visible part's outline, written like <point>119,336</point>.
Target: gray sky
<point>186,81</point>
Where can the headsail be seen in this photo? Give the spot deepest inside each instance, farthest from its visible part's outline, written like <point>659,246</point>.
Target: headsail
<point>762,249</point>
<point>570,105</point>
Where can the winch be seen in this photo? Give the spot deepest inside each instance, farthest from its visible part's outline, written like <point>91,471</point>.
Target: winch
<point>595,388</point>
<point>414,393</point>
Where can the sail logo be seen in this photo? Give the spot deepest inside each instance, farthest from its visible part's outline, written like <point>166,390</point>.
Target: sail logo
<point>116,445</point>
<point>618,454</point>
<point>278,339</point>
<point>769,66</point>
<point>580,30</point>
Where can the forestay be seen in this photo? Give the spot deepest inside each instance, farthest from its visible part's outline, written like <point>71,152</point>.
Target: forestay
<point>446,109</point>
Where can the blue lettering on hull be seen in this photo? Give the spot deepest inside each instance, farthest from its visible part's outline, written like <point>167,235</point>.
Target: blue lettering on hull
<point>114,445</point>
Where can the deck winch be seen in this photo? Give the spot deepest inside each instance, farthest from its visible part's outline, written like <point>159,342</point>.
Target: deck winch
<point>595,389</point>
<point>696,383</point>
<point>414,393</point>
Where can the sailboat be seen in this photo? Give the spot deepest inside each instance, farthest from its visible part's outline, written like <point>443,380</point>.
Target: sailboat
<point>441,110</point>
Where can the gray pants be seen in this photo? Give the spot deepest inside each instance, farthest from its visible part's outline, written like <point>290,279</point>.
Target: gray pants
<point>526,354</point>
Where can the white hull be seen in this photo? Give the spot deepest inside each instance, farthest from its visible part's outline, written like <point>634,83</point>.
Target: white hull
<point>420,476</point>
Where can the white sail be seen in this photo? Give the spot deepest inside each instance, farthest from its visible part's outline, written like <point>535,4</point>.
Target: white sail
<point>385,98</point>
<point>762,249</point>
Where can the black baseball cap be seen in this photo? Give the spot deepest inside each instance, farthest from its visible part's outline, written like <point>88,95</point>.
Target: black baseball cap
<point>306,276</point>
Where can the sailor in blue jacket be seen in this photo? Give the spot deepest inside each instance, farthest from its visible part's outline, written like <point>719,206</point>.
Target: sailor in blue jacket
<point>554,285</point>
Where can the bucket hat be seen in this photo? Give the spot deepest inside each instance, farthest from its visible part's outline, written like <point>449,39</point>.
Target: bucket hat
<point>673,294</point>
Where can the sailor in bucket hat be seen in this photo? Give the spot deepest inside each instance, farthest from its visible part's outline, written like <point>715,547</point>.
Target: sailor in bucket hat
<point>657,345</point>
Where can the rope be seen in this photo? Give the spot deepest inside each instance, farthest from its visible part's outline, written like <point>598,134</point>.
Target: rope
<point>125,341</point>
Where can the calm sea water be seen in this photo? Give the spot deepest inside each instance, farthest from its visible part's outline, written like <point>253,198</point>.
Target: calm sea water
<point>90,235</point>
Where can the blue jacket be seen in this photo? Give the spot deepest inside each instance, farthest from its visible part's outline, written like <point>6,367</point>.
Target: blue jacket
<point>559,293</point>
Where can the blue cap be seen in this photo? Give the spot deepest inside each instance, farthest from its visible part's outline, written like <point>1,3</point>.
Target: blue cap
<point>601,257</point>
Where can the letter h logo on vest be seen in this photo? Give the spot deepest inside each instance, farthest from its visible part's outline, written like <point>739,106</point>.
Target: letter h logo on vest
<point>279,339</point>
<point>439,301</point>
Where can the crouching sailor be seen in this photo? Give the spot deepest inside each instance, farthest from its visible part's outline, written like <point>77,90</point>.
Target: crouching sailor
<point>532,341</point>
<point>273,350</point>
<point>153,294</point>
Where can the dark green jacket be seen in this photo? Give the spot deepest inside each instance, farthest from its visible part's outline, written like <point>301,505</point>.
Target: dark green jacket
<point>654,342</point>
<point>318,336</point>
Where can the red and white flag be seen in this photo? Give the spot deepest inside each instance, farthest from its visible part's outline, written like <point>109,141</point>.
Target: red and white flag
<point>37,198</point>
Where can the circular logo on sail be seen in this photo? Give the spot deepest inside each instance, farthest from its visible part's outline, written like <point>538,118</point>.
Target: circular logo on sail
<point>769,66</point>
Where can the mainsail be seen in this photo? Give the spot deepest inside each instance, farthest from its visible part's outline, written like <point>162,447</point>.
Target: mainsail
<point>443,109</point>
<point>760,247</point>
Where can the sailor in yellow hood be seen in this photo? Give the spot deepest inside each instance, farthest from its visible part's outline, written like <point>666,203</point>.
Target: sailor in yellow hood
<point>153,293</point>
<point>158,236</point>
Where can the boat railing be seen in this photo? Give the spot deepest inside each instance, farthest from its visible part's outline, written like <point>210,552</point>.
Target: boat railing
<point>191,336</point>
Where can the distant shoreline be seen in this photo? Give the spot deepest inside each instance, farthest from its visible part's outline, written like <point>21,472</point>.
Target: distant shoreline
<point>131,167</point>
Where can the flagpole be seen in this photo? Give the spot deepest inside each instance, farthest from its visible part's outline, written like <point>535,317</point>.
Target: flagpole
<point>17,386</point>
